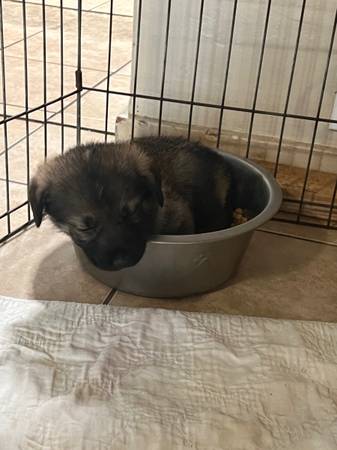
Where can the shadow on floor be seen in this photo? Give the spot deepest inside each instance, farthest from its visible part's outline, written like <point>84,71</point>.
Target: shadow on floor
<point>59,277</point>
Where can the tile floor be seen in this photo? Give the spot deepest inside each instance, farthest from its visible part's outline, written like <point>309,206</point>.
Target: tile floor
<point>295,279</point>
<point>95,31</point>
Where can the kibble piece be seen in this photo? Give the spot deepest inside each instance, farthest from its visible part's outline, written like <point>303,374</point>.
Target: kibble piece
<point>239,216</point>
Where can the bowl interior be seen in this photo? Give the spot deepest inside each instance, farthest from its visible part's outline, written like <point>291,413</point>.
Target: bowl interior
<point>253,189</point>
<point>249,189</point>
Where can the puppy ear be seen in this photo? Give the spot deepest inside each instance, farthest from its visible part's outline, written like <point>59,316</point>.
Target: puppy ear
<point>154,182</point>
<point>37,198</point>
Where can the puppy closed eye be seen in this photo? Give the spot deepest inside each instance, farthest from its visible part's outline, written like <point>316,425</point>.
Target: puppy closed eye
<point>87,224</point>
<point>84,231</point>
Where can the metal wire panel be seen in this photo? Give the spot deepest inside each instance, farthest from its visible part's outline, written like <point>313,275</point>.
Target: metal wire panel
<point>299,208</point>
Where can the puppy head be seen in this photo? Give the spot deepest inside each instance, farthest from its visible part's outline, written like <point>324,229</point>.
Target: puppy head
<point>105,197</point>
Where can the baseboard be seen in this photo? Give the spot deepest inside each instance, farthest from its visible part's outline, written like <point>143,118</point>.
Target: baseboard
<point>264,148</point>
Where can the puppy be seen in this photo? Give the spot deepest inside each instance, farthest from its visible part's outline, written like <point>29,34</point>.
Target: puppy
<point>111,198</point>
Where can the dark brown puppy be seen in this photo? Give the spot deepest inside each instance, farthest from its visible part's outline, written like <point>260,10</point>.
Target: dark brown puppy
<point>110,198</point>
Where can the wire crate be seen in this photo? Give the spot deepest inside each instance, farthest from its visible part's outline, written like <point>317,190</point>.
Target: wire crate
<point>65,82</point>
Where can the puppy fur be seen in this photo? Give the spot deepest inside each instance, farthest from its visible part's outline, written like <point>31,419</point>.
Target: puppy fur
<point>111,198</point>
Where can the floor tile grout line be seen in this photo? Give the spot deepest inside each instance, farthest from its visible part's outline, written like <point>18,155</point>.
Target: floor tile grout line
<point>55,6</point>
<point>115,72</point>
<point>109,297</point>
<point>13,105</point>
<point>98,6</point>
<point>20,40</point>
<point>14,182</point>
<point>53,114</point>
<point>114,296</point>
<point>57,64</point>
<point>300,238</point>
<point>68,8</point>
<point>71,103</point>
<point>18,234</point>
<point>107,13</point>
<point>51,27</point>
<point>92,10</point>
<point>21,139</point>
<point>55,27</point>
<point>94,86</point>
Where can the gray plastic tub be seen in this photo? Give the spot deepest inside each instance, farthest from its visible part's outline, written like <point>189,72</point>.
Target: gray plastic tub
<point>176,266</point>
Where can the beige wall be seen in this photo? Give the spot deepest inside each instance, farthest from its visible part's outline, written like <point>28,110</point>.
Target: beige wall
<point>284,19</point>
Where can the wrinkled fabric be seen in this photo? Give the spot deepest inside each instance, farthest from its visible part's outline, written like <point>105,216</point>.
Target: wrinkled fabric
<point>87,377</point>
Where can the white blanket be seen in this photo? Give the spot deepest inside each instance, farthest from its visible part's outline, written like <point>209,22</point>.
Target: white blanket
<point>86,377</point>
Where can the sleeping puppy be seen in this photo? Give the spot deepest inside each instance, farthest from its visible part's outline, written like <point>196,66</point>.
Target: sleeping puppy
<point>111,198</point>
